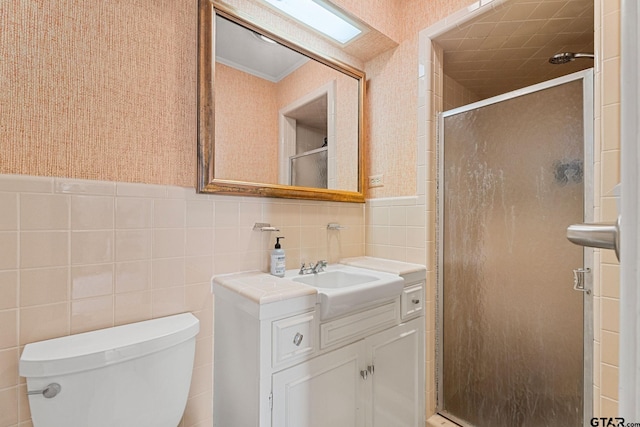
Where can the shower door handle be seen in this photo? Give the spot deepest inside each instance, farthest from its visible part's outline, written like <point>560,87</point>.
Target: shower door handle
<point>605,235</point>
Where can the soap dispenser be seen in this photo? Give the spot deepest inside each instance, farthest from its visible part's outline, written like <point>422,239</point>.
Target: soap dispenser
<point>278,264</point>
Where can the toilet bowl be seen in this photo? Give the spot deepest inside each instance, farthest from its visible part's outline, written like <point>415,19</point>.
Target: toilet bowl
<point>135,375</point>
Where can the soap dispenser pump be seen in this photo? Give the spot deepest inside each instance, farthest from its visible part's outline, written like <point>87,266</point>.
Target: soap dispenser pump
<point>278,263</point>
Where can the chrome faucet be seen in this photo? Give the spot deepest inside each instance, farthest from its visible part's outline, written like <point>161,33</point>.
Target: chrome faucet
<point>319,267</point>
<point>313,269</point>
<point>305,270</point>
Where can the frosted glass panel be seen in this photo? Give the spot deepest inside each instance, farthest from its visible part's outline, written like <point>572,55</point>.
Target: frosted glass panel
<point>310,169</point>
<point>512,323</point>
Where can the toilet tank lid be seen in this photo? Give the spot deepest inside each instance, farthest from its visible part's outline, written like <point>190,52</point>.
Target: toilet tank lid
<point>95,349</point>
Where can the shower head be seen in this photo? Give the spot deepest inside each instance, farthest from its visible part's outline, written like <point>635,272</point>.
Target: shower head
<point>563,58</point>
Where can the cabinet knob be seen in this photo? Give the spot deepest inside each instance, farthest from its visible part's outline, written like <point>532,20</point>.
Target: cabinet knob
<point>298,339</point>
<point>415,301</point>
<point>364,374</point>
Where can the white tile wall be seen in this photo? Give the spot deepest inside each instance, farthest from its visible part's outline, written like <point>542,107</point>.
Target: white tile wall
<point>81,255</point>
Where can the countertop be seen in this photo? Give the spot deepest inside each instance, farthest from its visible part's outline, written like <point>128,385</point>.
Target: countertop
<point>385,265</point>
<point>263,288</point>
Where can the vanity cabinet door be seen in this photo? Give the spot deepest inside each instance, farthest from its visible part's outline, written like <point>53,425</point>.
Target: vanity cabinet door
<point>325,391</point>
<point>397,379</point>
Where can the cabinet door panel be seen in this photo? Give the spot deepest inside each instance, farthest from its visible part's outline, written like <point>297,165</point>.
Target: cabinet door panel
<point>397,394</point>
<point>326,391</point>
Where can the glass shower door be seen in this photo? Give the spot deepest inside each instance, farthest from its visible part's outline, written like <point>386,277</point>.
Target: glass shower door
<point>511,327</point>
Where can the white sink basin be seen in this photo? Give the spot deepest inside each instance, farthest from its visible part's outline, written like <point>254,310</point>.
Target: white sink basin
<point>342,289</point>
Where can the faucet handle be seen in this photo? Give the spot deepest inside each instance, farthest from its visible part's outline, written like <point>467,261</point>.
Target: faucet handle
<point>301,268</point>
<point>320,266</point>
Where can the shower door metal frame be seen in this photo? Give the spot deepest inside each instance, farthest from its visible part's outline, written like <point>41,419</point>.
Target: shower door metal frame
<point>588,253</point>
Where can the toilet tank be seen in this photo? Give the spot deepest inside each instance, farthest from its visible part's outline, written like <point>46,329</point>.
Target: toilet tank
<point>135,375</point>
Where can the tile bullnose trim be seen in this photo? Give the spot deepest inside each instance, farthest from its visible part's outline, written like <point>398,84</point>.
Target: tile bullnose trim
<point>26,184</point>
<point>84,187</point>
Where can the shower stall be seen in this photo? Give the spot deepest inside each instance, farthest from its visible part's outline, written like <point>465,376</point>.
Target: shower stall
<point>515,330</point>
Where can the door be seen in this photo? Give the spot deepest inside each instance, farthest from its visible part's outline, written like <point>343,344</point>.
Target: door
<point>325,391</point>
<point>515,338</point>
<point>396,358</point>
<point>630,226</point>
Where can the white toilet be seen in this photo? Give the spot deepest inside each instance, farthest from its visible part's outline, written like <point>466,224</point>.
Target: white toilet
<point>135,375</point>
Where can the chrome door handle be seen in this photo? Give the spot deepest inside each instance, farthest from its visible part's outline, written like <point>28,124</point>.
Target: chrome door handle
<point>605,235</point>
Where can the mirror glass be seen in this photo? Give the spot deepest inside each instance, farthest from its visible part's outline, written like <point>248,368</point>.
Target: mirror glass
<point>286,122</point>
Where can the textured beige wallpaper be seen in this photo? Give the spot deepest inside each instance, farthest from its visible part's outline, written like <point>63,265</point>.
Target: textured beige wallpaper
<point>392,122</point>
<point>99,90</point>
<point>246,127</point>
<point>107,90</point>
<point>314,75</point>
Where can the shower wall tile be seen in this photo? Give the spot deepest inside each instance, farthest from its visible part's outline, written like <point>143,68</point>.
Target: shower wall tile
<point>607,145</point>
<point>608,406</point>
<point>611,84</point>
<point>609,257</point>
<point>596,368</point>
<point>609,387</point>
<point>610,314</point>
<point>597,319</point>
<point>610,280</point>
<point>611,127</point>
<point>596,399</point>
<point>82,255</point>
<point>609,343</point>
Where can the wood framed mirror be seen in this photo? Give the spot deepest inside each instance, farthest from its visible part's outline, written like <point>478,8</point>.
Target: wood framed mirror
<point>275,119</point>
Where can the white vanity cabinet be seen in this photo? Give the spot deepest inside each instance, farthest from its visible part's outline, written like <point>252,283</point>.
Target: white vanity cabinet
<point>377,381</point>
<point>277,365</point>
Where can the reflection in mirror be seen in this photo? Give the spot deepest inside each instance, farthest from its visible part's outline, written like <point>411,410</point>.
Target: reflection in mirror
<point>285,124</point>
<point>275,116</point>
